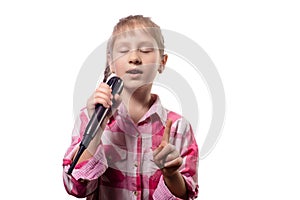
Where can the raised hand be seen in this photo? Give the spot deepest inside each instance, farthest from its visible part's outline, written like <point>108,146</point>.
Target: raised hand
<point>165,156</point>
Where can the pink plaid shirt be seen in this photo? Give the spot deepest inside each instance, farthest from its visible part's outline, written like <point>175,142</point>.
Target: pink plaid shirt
<point>123,167</point>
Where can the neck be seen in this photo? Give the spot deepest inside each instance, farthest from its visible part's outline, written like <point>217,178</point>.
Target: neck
<point>137,101</point>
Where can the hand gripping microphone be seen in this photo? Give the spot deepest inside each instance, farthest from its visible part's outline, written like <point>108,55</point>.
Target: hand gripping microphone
<point>116,84</point>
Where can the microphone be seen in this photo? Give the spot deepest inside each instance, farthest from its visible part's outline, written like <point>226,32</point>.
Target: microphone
<point>116,84</point>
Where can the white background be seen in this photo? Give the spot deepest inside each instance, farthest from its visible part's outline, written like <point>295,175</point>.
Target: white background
<point>255,46</point>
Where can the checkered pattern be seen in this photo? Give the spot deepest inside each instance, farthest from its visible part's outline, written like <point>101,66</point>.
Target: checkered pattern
<point>123,167</point>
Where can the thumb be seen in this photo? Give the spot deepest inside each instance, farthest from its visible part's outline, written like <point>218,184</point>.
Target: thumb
<point>116,100</point>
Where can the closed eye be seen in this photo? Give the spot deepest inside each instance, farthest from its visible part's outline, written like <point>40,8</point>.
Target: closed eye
<point>123,50</point>
<point>146,49</point>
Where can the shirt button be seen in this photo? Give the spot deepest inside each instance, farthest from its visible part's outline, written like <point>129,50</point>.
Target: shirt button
<point>135,193</point>
<point>135,164</point>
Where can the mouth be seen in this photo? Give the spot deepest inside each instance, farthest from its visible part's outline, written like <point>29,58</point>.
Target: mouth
<point>134,71</point>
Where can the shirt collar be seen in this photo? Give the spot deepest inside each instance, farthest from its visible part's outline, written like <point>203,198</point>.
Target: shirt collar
<point>156,109</point>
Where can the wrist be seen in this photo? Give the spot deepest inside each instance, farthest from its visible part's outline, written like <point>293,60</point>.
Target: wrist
<point>170,175</point>
<point>176,185</point>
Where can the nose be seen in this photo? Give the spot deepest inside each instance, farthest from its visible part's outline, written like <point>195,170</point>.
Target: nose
<point>134,58</point>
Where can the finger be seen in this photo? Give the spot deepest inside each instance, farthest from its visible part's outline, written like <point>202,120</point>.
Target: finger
<point>166,134</point>
<point>102,102</point>
<point>104,86</point>
<point>157,150</point>
<point>172,156</point>
<point>105,96</point>
<point>116,100</point>
<point>164,152</point>
<point>174,163</point>
<point>104,91</point>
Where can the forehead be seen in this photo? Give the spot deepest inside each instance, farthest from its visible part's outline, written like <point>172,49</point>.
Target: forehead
<point>134,37</point>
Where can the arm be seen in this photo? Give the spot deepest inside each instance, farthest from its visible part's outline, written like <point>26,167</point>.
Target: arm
<point>94,144</point>
<point>83,180</point>
<point>178,163</point>
<point>176,185</point>
<point>92,163</point>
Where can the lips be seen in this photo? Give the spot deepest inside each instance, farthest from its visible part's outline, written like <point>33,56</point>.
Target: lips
<point>134,71</point>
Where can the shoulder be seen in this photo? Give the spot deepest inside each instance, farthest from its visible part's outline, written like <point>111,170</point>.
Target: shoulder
<point>82,117</point>
<point>179,123</point>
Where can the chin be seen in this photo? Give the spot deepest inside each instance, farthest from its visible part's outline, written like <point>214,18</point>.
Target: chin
<point>136,84</point>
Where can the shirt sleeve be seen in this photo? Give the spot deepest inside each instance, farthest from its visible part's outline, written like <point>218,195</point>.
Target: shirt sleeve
<point>189,168</point>
<point>84,178</point>
<point>184,140</point>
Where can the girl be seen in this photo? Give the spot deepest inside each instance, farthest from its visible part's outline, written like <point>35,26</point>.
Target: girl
<point>143,150</point>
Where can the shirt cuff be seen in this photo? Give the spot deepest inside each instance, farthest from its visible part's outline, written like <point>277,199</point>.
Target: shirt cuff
<point>191,186</point>
<point>90,169</point>
<point>162,192</point>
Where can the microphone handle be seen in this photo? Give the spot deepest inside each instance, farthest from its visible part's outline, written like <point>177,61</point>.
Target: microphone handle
<point>96,120</point>
<point>94,124</point>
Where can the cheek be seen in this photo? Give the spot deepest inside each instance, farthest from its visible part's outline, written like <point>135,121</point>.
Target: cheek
<point>153,58</point>
<point>118,65</point>
<point>151,65</point>
<point>119,70</point>
<point>150,72</point>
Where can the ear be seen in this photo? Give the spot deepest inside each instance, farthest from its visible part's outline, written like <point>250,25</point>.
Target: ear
<point>163,63</point>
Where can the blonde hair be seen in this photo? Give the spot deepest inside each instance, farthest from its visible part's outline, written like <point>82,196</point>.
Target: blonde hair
<point>130,23</point>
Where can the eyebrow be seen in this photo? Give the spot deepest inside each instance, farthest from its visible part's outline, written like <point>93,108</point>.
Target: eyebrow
<point>121,43</point>
<point>146,43</point>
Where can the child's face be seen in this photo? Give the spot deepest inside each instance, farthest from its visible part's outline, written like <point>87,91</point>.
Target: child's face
<point>136,59</point>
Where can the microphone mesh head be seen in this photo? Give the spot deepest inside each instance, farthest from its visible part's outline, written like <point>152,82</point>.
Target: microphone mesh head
<point>110,76</point>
